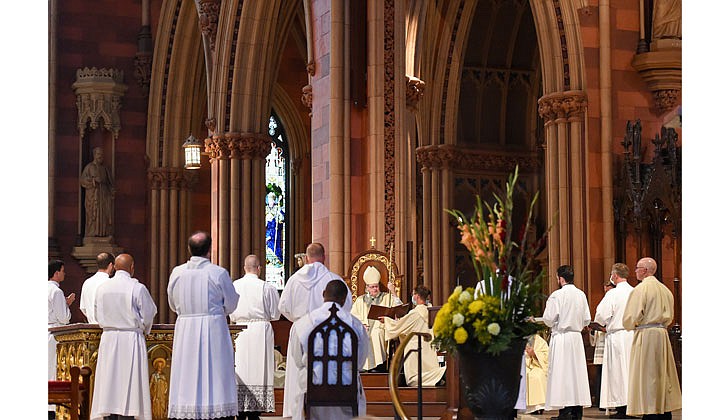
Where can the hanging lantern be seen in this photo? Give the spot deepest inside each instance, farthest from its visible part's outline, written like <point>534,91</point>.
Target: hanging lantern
<point>193,151</point>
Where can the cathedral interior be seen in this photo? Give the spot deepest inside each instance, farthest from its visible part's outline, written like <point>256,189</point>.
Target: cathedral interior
<point>356,124</point>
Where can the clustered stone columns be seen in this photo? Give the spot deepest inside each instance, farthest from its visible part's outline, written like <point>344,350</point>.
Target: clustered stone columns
<point>169,223</point>
<point>438,243</point>
<point>237,163</point>
<point>563,114</point>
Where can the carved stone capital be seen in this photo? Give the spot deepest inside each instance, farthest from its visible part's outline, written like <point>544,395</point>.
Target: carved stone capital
<point>234,145</point>
<point>211,124</point>
<point>311,68</point>
<point>98,98</point>
<point>307,98</point>
<point>562,106</point>
<point>171,178</point>
<point>452,157</point>
<point>415,91</point>
<point>209,12</point>
<point>143,70</point>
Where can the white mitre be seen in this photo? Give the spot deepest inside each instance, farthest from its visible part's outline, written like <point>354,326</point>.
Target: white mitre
<point>371,276</point>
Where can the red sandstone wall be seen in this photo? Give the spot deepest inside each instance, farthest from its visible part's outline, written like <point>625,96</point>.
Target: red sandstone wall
<point>631,100</point>
<point>84,40</point>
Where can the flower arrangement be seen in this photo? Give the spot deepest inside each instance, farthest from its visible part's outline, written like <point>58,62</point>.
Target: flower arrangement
<point>503,307</point>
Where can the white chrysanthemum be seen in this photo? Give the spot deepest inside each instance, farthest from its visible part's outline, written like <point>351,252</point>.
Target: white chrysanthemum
<point>494,328</point>
<point>458,319</point>
<point>465,297</point>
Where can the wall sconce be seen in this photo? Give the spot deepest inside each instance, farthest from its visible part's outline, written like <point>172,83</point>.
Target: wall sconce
<point>193,150</point>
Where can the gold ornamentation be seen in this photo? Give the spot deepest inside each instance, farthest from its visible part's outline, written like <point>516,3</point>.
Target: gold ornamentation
<point>357,265</point>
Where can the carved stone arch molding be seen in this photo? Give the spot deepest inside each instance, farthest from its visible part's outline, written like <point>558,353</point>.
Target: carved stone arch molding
<point>563,108</point>
<point>177,104</point>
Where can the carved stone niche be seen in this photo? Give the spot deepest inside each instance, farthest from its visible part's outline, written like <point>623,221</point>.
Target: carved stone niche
<point>662,72</point>
<point>98,98</point>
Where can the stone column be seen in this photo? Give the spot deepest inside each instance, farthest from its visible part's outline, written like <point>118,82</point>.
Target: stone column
<point>237,191</point>
<point>169,224</point>
<point>566,160</point>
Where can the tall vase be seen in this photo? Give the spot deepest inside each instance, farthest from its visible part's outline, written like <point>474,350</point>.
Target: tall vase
<point>490,383</point>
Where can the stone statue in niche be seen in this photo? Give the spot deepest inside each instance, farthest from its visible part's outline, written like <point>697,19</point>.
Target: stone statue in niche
<point>667,19</point>
<point>96,179</point>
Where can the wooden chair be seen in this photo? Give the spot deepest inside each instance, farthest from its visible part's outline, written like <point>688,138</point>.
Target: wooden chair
<point>73,394</point>
<point>337,394</point>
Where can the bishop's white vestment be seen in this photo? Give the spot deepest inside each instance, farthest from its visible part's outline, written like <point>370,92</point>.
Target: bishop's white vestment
<point>416,321</point>
<point>58,314</point>
<point>88,295</point>
<point>537,369</point>
<point>377,353</point>
<point>202,380</point>
<point>297,355</point>
<point>125,311</point>
<point>567,313</point>
<point>617,346</point>
<point>254,354</point>
<point>303,293</point>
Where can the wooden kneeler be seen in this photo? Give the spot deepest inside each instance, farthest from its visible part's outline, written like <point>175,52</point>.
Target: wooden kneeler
<point>73,394</point>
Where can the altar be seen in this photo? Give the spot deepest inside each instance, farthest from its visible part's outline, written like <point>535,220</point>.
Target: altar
<point>78,345</point>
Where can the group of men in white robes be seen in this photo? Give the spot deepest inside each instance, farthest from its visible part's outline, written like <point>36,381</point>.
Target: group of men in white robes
<point>377,354</point>
<point>335,293</point>
<point>302,295</point>
<point>639,377</point>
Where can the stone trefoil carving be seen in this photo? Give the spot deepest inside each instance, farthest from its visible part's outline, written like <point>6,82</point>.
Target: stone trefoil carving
<point>209,11</point>
<point>415,91</point>
<point>98,98</point>
<point>566,106</point>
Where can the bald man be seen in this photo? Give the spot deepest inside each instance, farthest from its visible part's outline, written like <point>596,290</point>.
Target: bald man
<point>254,354</point>
<point>302,294</point>
<point>202,379</point>
<point>125,311</point>
<point>654,389</point>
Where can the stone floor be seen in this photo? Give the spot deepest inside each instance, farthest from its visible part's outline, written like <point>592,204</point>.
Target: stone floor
<point>591,413</point>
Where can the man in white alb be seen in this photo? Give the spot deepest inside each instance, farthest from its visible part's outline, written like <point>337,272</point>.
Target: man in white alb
<point>254,356</point>
<point>202,378</point>
<point>377,354</point>
<point>302,294</point>
<point>567,313</point>
<point>125,311</point>
<point>58,314</point>
<point>416,320</point>
<point>617,343</point>
<point>105,264</point>
<point>335,293</point>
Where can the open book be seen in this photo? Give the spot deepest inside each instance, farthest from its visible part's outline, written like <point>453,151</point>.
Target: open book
<point>376,311</point>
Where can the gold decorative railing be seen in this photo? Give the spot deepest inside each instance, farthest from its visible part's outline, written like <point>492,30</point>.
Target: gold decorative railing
<point>78,345</point>
<point>395,368</point>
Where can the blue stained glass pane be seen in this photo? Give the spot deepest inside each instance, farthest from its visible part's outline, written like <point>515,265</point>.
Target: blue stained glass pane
<point>275,207</point>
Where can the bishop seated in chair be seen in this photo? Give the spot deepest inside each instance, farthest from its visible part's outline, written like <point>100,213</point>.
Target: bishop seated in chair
<point>377,355</point>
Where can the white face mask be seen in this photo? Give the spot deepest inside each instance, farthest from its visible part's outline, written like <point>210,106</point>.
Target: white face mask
<point>414,301</point>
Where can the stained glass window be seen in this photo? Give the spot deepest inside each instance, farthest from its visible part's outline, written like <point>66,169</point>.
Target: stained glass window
<point>276,177</point>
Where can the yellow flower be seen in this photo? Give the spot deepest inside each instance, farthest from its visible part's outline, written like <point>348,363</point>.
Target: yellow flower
<point>461,336</point>
<point>476,306</point>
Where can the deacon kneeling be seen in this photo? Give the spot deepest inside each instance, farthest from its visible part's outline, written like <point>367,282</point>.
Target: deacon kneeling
<point>377,355</point>
<point>334,293</point>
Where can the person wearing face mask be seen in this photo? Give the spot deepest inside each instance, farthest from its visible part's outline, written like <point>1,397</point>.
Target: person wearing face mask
<point>377,355</point>
<point>416,321</point>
